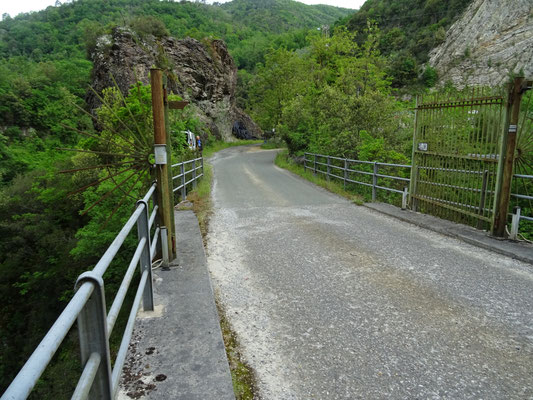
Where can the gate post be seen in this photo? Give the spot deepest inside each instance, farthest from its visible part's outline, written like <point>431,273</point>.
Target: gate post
<point>328,169</point>
<point>414,167</point>
<point>506,162</point>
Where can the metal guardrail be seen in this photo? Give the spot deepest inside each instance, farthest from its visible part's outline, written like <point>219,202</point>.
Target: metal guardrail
<point>517,212</point>
<point>88,307</point>
<point>316,161</point>
<point>197,164</point>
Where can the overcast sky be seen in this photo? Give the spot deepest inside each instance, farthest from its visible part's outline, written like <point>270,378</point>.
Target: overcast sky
<point>14,7</point>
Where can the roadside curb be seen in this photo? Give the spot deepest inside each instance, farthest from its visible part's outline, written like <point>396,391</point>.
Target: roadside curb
<point>516,250</point>
<point>177,350</point>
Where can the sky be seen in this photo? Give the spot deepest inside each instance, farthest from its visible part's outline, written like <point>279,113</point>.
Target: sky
<point>14,7</point>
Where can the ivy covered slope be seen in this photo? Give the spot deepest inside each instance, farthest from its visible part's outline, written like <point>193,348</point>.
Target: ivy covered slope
<point>409,30</point>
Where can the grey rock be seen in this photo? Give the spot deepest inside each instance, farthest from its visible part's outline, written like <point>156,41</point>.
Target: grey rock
<point>202,73</point>
<point>492,40</point>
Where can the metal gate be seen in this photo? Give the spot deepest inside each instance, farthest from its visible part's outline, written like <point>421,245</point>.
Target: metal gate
<point>456,149</point>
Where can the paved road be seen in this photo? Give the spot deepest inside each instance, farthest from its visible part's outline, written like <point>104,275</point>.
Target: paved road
<point>335,301</point>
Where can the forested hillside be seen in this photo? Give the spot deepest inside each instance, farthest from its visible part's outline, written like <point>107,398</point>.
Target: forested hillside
<point>409,30</point>
<point>279,16</point>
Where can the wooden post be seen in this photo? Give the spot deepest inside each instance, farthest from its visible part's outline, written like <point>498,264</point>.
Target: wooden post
<point>505,167</point>
<point>160,138</point>
<point>172,234</point>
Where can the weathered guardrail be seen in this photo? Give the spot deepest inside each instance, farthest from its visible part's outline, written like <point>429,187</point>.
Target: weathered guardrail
<point>325,165</point>
<point>517,212</point>
<point>98,380</point>
<point>319,161</point>
<point>195,165</point>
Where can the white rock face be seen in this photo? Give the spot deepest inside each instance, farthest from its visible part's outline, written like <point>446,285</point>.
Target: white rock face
<point>493,39</point>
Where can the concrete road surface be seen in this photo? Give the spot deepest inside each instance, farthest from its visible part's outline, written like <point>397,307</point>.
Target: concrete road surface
<point>334,301</point>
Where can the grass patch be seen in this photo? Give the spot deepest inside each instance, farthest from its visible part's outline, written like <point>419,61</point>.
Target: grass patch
<point>241,374</point>
<point>284,161</point>
<point>273,144</point>
<point>201,199</point>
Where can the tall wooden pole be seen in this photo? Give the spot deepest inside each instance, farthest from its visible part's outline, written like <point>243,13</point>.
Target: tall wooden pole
<point>169,169</point>
<point>505,173</point>
<point>166,213</point>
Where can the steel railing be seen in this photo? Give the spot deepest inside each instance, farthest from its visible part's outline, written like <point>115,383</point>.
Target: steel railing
<point>319,161</point>
<point>195,165</point>
<point>324,164</point>
<point>88,307</point>
<point>517,212</point>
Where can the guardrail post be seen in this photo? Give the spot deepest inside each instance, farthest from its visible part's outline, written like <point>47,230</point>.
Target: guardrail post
<point>145,261</point>
<point>305,161</point>
<point>159,248</point>
<point>202,161</point>
<point>515,223</point>
<point>345,172</point>
<point>163,240</point>
<point>314,173</point>
<point>183,180</point>
<point>404,198</point>
<point>329,169</point>
<point>374,181</point>
<point>194,173</point>
<point>92,330</point>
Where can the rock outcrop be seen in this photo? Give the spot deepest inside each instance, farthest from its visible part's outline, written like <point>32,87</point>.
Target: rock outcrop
<point>202,73</point>
<point>492,40</point>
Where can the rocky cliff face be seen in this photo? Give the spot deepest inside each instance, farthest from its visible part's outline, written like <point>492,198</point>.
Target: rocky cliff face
<point>204,75</point>
<point>492,40</point>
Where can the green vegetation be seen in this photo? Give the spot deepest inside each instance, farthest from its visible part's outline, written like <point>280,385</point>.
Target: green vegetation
<point>410,29</point>
<point>283,160</point>
<point>241,374</point>
<point>334,99</point>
